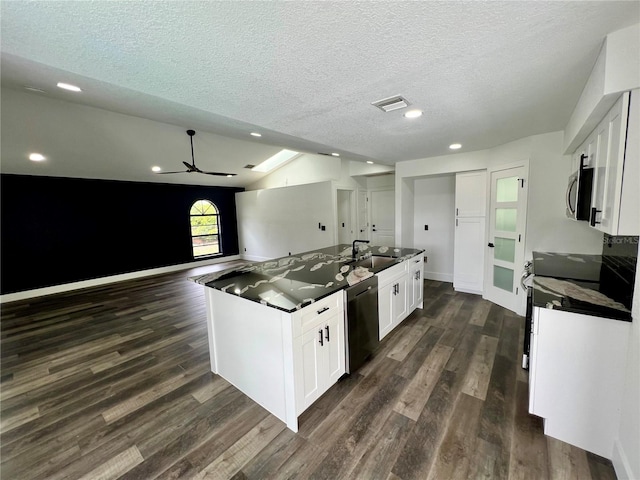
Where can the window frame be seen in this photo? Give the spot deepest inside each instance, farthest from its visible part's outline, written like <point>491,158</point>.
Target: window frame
<point>215,208</point>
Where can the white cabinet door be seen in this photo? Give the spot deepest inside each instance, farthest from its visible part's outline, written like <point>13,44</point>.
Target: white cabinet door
<point>385,309</point>
<point>468,256</point>
<point>308,368</point>
<point>319,357</point>
<point>400,301</point>
<point>415,282</point>
<point>577,377</point>
<point>334,350</point>
<point>617,157</point>
<point>471,194</point>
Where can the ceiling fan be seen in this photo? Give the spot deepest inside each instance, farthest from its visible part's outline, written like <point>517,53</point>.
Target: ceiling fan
<point>191,167</point>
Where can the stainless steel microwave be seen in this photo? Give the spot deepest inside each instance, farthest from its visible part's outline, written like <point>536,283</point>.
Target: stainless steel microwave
<point>579,192</point>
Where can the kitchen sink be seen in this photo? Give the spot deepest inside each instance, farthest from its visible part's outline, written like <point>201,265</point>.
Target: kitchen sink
<point>375,261</point>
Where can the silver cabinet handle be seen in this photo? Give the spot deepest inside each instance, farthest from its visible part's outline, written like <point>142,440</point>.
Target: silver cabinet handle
<point>322,310</point>
<point>326,329</point>
<point>321,341</point>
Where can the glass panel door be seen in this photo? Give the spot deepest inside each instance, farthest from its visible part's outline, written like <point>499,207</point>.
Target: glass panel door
<point>506,243</point>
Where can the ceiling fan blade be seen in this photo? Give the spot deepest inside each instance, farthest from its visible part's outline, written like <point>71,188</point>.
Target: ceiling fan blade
<point>181,171</point>
<point>219,174</point>
<point>189,166</point>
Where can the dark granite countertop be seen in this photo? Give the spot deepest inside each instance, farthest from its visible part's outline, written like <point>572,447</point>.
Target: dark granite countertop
<point>291,283</point>
<point>587,284</point>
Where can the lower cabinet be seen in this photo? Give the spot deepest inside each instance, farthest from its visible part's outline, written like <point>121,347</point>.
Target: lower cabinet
<point>416,271</point>
<point>400,292</point>
<point>576,377</point>
<point>319,358</point>
<point>468,256</point>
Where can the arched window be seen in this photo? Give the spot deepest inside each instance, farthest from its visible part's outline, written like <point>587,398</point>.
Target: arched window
<point>205,229</point>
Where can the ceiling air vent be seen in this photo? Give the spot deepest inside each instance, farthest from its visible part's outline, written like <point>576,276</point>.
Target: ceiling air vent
<point>249,166</point>
<point>392,103</point>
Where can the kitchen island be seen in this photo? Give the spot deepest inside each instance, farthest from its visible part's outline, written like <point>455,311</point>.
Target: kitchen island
<point>277,328</point>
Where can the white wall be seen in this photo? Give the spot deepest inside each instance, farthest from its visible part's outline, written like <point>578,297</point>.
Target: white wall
<point>309,168</point>
<point>434,205</point>
<point>548,229</point>
<point>626,452</point>
<point>275,222</point>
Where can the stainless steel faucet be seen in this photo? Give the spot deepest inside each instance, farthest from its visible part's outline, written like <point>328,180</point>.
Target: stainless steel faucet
<point>354,250</point>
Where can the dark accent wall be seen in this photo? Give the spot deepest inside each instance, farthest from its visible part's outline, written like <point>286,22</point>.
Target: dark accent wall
<point>58,230</point>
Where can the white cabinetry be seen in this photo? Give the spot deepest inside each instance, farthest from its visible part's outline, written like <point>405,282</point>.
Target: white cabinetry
<point>416,282</point>
<point>614,152</point>
<point>576,377</point>
<point>392,297</point>
<point>319,356</point>
<point>275,357</point>
<point>468,256</point>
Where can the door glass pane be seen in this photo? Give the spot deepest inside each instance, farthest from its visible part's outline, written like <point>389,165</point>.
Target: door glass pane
<point>506,219</point>
<point>505,249</point>
<point>503,278</point>
<point>507,189</point>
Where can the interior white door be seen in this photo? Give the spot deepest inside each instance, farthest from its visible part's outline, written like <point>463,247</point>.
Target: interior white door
<point>345,232</point>
<point>383,217</point>
<point>363,216</point>
<point>507,220</point>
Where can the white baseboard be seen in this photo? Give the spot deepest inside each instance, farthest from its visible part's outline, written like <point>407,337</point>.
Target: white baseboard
<point>255,258</point>
<point>438,276</point>
<point>466,290</point>
<point>67,287</point>
<point>621,463</point>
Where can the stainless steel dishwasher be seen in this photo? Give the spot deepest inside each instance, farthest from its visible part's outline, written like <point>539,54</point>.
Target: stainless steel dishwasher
<point>362,328</point>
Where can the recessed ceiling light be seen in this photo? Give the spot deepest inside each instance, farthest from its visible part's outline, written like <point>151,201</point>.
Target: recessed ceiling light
<point>68,86</point>
<point>369,162</point>
<point>155,169</point>
<point>455,146</point>
<point>413,114</point>
<point>335,154</point>
<point>33,89</point>
<point>229,175</point>
<point>37,157</point>
<point>256,134</point>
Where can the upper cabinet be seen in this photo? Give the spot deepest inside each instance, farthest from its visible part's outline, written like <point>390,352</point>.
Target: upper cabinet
<point>614,152</point>
<point>471,194</point>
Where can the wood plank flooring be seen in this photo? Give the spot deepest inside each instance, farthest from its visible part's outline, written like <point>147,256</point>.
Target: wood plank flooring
<point>114,382</point>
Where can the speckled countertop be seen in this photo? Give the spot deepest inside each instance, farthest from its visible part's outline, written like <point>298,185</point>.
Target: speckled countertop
<point>587,284</point>
<point>291,283</point>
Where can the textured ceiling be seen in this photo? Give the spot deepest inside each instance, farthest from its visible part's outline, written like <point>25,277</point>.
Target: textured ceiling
<point>305,73</point>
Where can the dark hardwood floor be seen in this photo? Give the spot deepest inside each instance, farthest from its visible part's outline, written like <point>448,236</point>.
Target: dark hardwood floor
<point>114,382</point>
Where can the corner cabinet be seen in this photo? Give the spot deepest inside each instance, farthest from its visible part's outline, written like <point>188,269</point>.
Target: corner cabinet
<point>469,240</point>
<point>576,377</point>
<point>613,149</point>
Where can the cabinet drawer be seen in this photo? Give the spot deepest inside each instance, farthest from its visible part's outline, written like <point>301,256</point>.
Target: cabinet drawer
<point>316,313</point>
<point>391,273</point>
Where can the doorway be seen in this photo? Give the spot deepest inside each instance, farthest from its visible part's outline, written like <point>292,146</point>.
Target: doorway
<point>345,216</point>
<point>505,247</point>
<point>382,217</point>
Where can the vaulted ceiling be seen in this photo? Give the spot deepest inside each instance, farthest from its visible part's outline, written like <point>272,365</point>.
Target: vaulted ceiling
<point>304,74</point>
